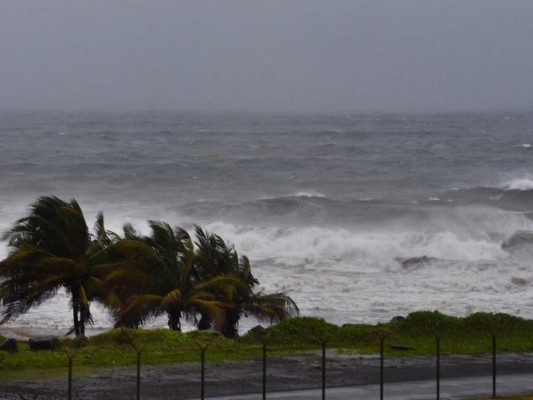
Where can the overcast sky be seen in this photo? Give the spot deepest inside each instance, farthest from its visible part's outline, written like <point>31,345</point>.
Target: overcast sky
<point>267,55</point>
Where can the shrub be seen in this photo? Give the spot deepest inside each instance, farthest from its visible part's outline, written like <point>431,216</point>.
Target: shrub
<point>429,323</point>
<point>300,330</point>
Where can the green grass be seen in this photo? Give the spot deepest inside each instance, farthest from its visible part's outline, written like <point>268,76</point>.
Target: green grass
<point>118,347</point>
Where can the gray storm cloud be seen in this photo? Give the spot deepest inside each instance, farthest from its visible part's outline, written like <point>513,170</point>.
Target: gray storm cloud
<point>290,55</point>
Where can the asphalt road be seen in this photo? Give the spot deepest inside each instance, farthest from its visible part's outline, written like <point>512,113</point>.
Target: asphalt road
<point>348,376</point>
<point>456,388</point>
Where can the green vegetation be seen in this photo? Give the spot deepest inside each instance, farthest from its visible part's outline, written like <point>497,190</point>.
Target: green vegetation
<point>51,249</point>
<point>136,277</point>
<point>469,335</point>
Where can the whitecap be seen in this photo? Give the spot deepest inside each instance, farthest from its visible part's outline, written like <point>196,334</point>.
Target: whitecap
<point>306,193</point>
<point>519,184</point>
<point>310,193</point>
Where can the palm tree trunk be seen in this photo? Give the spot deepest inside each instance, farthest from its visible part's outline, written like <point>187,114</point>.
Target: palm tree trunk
<point>83,320</point>
<point>205,323</point>
<point>75,317</point>
<point>174,319</point>
<point>79,322</point>
<point>231,324</point>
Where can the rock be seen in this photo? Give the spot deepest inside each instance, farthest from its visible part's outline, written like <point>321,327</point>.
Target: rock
<point>517,240</point>
<point>9,345</point>
<point>401,347</point>
<point>44,343</point>
<point>519,281</point>
<point>257,330</point>
<point>415,261</point>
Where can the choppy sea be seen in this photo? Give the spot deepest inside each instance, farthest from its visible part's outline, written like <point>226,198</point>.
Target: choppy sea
<point>358,217</point>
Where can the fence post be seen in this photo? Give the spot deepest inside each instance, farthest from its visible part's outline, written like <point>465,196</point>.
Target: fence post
<point>495,324</point>
<point>381,367</point>
<point>69,396</point>
<point>138,351</point>
<point>264,368</point>
<point>493,364</point>
<point>203,347</point>
<point>437,338</point>
<point>138,376</point>
<point>324,341</point>
<point>382,337</point>
<point>70,357</point>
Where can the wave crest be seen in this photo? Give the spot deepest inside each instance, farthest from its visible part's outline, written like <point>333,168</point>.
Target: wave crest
<point>519,243</point>
<point>346,250</point>
<point>518,184</point>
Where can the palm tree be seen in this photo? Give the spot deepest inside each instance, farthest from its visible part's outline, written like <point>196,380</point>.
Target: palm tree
<point>52,248</point>
<point>271,307</point>
<point>161,268</point>
<point>214,257</point>
<point>137,277</point>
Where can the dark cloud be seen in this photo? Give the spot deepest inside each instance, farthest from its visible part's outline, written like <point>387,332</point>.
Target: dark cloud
<point>342,55</point>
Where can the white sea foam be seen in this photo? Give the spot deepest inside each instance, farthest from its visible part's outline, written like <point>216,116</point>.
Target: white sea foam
<point>519,184</point>
<point>305,193</point>
<point>345,250</point>
<point>351,275</point>
<point>320,253</point>
<point>310,193</point>
<point>357,267</point>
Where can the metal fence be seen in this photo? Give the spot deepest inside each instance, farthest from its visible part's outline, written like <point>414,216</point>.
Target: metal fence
<point>322,356</point>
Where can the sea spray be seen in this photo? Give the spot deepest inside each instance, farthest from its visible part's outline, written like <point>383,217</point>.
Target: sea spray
<point>326,206</point>
<point>519,184</point>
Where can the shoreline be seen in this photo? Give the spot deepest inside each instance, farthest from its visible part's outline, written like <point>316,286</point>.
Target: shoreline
<point>284,373</point>
<point>23,334</point>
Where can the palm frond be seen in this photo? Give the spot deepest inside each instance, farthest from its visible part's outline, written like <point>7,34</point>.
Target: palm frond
<point>17,298</point>
<point>213,309</point>
<point>139,309</point>
<point>124,275</point>
<point>130,232</point>
<point>171,299</point>
<point>245,272</point>
<point>227,286</point>
<point>103,236</point>
<point>49,248</point>
<point>274,306</point>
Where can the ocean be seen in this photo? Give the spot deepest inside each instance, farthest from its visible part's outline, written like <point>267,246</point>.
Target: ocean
<point>358,217</point>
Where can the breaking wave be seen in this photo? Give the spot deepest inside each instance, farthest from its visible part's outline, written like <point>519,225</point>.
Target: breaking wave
<point>519,184</point>
<point>328,208</point>
<point>514,195</point>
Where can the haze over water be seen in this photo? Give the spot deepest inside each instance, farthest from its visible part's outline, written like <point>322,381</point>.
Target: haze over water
<point>288,150</point>
<point>335,209</point>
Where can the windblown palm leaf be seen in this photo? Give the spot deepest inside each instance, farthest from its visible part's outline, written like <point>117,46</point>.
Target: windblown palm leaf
<point>163,262</point>
<point>51,248</point>
<point>215,257</point>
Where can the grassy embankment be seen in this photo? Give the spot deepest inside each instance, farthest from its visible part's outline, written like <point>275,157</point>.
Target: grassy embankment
<point>467,335</point>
